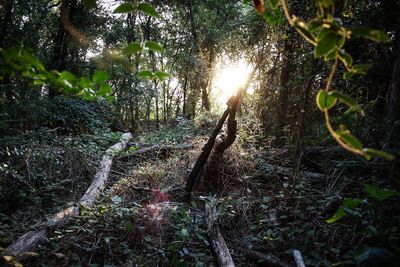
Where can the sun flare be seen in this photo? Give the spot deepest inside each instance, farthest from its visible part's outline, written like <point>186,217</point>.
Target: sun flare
<point>229,77</point>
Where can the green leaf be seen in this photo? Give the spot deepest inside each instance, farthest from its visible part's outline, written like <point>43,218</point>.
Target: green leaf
<point>380,194</point>
<point>154,46</point>
<point>351,202</point>
<point>162,75</point>
<point>90,3</point>
<point>360,68</point>
<point>148,9</point>
<point>346,58</point>
<point>350,139</point>
<point>325,101</point>
<point>274,4</point>
<point>373,35</point>
<point>132,48</point>
<point>314,24</point>
<point>100,76</point>
<point>124,8</point>
<point>328,42</point>
<point>66,78</point>
<point>339,214</point>
<point>370,153</point>
<point>105,89</point>
<point>349,101</point>
<point>145,74</point>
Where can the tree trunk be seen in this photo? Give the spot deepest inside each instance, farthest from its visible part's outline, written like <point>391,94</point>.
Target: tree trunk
<point>393,101</point>
<point>284,93</point>
<point>5,22</point>
<point>184,111</point>
<point>301,118</point>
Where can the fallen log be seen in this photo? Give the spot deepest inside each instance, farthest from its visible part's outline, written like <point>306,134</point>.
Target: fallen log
<point>158,149</point>
<point>298,258</point>
<point>217,240</point>
<point>30,240</point>
<point>265,259</point>
<point>286,171</point>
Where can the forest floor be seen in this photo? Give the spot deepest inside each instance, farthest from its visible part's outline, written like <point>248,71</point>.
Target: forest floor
<point>141,219</point>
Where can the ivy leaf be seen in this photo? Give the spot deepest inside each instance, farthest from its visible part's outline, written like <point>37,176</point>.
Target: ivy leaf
<point>326,44</point>
<point>369,153</point>
<point>145,74</point>
<point>148,9</point>
<point>90,3</point>
<point>132,48</point>
<point>100,76</point>
<point>360,68</point>
<point>347,100</point>
<point>350,139</point>
<point>374,35</point>
<point>325,101</point>
<point>380,194</point>
<point>124,8</point>
<point>162,75</point>
<point>346,58</point>
<point>154,46</point>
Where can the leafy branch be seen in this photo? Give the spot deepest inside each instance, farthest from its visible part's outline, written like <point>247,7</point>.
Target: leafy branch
<point>328,36</point>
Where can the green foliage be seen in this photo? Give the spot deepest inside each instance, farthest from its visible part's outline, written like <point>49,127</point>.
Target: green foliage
<point>148,9</point>
<point>154,46</point>
<point>328,36</point>
<point>379,194</point>
<point>325,100</point>
<point>132,48</point>
<point>125,8</point>
<point>346,208</point>
<point>19,62</point>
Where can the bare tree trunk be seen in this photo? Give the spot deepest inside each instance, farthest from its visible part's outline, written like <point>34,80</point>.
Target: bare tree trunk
<point>184,111</point>
<point>284,94</point>
<point>301,118</point>
<point>393,99</point>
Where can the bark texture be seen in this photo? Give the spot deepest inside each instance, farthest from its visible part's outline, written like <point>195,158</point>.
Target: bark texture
<point>217,240</point>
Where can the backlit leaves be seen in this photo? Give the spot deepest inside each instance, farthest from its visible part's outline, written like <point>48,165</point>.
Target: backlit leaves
<point>125,8</point>
<point>145,74</point>
<point>162,75</point>
<point>154,46</point>
<point>132,48</point>
<point>148,9</point>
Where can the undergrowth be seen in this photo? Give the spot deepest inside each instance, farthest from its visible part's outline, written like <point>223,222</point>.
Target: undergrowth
<point>141,218</point>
